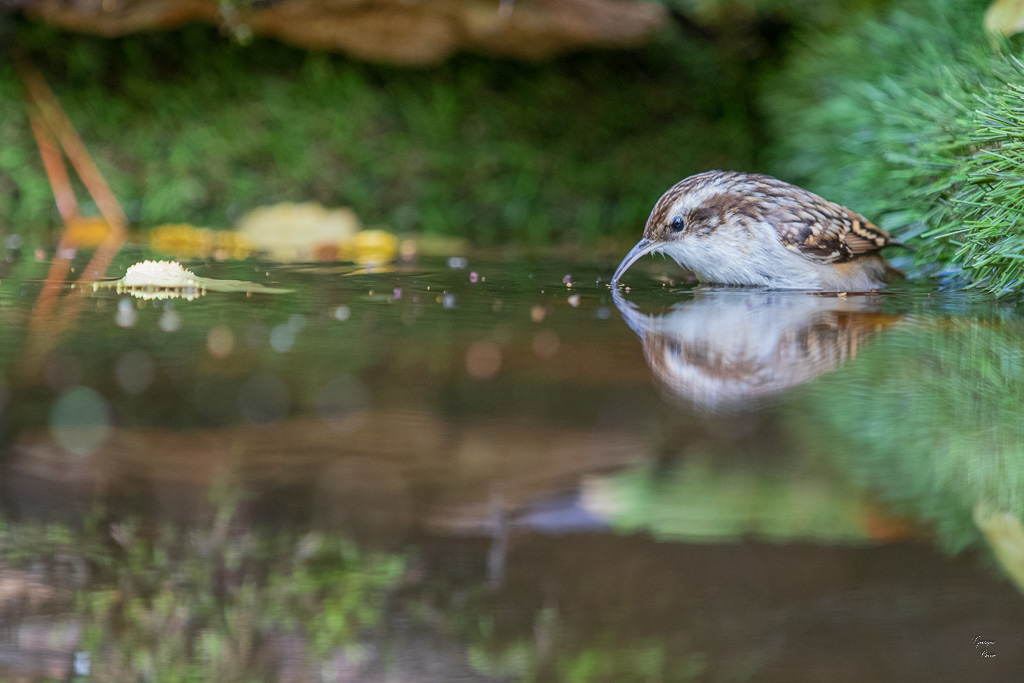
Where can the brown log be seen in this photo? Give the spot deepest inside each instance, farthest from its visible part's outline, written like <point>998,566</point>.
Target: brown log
<point>398,31</point>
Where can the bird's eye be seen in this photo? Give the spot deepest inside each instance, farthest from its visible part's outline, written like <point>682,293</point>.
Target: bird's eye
<point>678,224</point>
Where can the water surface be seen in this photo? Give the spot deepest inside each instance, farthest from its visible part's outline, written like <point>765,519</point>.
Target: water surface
<point>495,471</point>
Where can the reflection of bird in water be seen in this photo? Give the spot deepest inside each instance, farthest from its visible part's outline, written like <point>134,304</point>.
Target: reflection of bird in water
<point>747,229</point>
<point>726,348</point>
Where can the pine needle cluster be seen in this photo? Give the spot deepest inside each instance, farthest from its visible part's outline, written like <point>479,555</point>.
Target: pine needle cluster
<point>915,118</point>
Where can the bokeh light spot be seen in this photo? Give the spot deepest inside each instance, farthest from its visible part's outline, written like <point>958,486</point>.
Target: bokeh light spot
<point>483,360</point>
<point>127,315</point>
<point>220,341</point>
<point>170,320</point>
<point>80,421</point>
<point>282,338</point>
<point>546,344</point>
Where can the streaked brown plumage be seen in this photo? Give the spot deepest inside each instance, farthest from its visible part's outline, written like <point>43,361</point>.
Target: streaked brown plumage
<point>749,229</point>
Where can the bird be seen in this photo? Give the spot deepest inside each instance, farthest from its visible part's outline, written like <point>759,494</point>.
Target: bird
<point>735,228</point>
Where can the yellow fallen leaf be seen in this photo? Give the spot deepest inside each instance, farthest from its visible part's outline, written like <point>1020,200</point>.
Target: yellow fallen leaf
<point>184,240</point>
<point>373,247</point>
<point>87,232</point>
<point>1005,17</point>
<point>290,232</point>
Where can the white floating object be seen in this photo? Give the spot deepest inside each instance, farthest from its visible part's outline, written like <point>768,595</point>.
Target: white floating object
<point>164,274</point>
<point>170,280</point>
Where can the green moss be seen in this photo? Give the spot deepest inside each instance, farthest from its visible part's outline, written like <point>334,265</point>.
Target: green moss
<point>913,118</point>
<point>189,127</point>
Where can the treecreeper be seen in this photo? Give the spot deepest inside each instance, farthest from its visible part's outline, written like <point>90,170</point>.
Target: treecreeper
<point>735,228</point>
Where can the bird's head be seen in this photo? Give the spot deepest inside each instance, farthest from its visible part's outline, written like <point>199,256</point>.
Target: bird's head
<point>693,210</point>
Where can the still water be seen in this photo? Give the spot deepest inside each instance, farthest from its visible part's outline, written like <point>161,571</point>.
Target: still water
<point>493,471</point>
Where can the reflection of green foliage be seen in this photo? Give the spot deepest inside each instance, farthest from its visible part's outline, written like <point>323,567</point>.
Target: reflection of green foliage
<point>642,662</point>
<point>696,501</point>
<point>912,118</point>
<point>172,616</point>
<point>185,605</point>
<point>558,650</point>
<point>929,416</point>
<point>190,127</point>
<point>638,663</point>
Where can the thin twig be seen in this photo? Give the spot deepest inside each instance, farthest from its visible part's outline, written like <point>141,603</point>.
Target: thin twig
<point>46,117</point>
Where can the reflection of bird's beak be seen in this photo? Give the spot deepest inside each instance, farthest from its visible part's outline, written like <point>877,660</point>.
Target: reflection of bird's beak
<point>642,248</point>
<point>639,322</point>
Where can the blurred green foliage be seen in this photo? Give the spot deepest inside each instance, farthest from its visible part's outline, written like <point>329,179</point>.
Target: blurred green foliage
<point>699,501</point>
<point>915,119</point>
<point>189,127</point>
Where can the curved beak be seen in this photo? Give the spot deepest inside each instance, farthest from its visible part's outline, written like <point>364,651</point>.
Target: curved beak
<point>642,248</point>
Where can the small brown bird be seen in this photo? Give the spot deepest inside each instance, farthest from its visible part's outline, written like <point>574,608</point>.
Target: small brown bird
<point>746,229</point>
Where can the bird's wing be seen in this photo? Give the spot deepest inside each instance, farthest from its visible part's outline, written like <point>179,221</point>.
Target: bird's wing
<point>827,232</point>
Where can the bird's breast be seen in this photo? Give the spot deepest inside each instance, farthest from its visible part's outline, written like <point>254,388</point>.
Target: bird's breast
<point>757,257</point>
